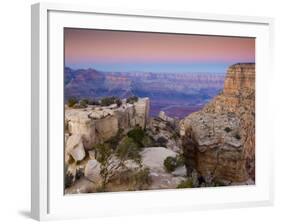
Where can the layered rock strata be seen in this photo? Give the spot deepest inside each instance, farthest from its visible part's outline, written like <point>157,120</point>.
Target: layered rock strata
<point>97,124</point>
<point>219,140</point>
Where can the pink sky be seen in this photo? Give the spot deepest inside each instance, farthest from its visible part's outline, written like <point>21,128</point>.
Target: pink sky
<point>86,46</point>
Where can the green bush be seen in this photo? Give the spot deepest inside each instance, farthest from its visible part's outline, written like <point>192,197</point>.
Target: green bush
<point>104,155</point>
<point>147,141</point>
<point>137,134</point>
<point>114,141</point>
<point>185,184</point>
<point>175,136</point>
<point>132,99</point>
<point>118,102</point>
<point>102,152</point>
<point>79,174</point>
<point>84,102</point>
<point>219,183</point>
<point>94,102</point>
<point>161,141</point>
<point>171,163</point>
<point>72,101</point>
<point>68,177</point>
<point>107,101</point>
<point>128,149</point>
<point>142,179</point>
<point>227,129</point>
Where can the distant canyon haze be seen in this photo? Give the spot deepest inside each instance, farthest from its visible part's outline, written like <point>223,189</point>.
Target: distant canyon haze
<point>177,94</point>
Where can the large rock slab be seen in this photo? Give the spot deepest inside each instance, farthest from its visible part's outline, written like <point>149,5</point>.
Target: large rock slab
<point>153,157</point>
<point>75,148</point>
<point>92,172</point>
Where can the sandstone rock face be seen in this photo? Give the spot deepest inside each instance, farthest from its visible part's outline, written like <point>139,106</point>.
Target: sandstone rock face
<point>97,124</point>
<point>219,140</point>
<point>239,77</point>
<point>75,148</point>
<point>141,112</point>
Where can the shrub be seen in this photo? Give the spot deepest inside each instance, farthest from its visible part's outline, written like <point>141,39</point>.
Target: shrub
<point>104,155</point>
<point>219,183</point>
<point>94,102</point>
<point>137,134</point>
<point>113,141</point>
<point>141,179</point>
<point>128,149</point>
<point>147,141</point>
<point>185,184</point>
<point>118,102</point>
<point>132,99</point>
<point>175,136</point>
<point>106,101</point>
<point>102,152</point>
<point>227,129</point>
<point>68,177</point>
<point>161,141</point>
<point>84,102</point>
<point>71,102</point>
<point>79,174</point>
<point>171,163</point>
<point>157,129</point>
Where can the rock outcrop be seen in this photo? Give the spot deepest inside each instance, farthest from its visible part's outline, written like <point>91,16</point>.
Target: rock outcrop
<point>97,124</point>
<point>75,148</point>
<point>219,140</point>
<point>92,172</point>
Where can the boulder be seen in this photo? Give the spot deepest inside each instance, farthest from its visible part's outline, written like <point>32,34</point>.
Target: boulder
<point>153,157</point>
<point>92,171</point>
<point>75,148</point>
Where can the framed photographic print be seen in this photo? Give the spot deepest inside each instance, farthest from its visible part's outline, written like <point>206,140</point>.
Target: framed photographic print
<point>148,111</point>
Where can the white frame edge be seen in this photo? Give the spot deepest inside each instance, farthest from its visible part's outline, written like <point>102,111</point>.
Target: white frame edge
<point>39,115</point>
<point>39,91</point>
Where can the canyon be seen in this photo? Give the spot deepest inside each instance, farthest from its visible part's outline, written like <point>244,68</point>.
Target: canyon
<point>177,94</point>
<point>120,146</point>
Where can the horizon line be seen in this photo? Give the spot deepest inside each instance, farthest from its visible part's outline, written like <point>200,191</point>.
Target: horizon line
<point>157,72</point>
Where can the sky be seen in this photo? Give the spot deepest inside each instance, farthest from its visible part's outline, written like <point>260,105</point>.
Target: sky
<point>127,51</point>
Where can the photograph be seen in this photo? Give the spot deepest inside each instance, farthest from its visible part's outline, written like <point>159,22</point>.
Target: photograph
<point>152,110</point>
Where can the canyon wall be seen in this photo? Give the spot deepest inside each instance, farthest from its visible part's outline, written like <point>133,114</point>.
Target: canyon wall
<point>219,140</point>
<point>97,124</point>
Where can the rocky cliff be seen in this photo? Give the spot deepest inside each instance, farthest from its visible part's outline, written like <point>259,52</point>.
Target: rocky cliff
<point>96,124</point>
<point>219,140</point>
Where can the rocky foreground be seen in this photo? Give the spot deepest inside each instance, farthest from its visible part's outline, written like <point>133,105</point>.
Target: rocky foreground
<point>119,148</point>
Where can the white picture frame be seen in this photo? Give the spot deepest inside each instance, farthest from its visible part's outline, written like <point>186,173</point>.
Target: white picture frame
<point>48,200</point>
